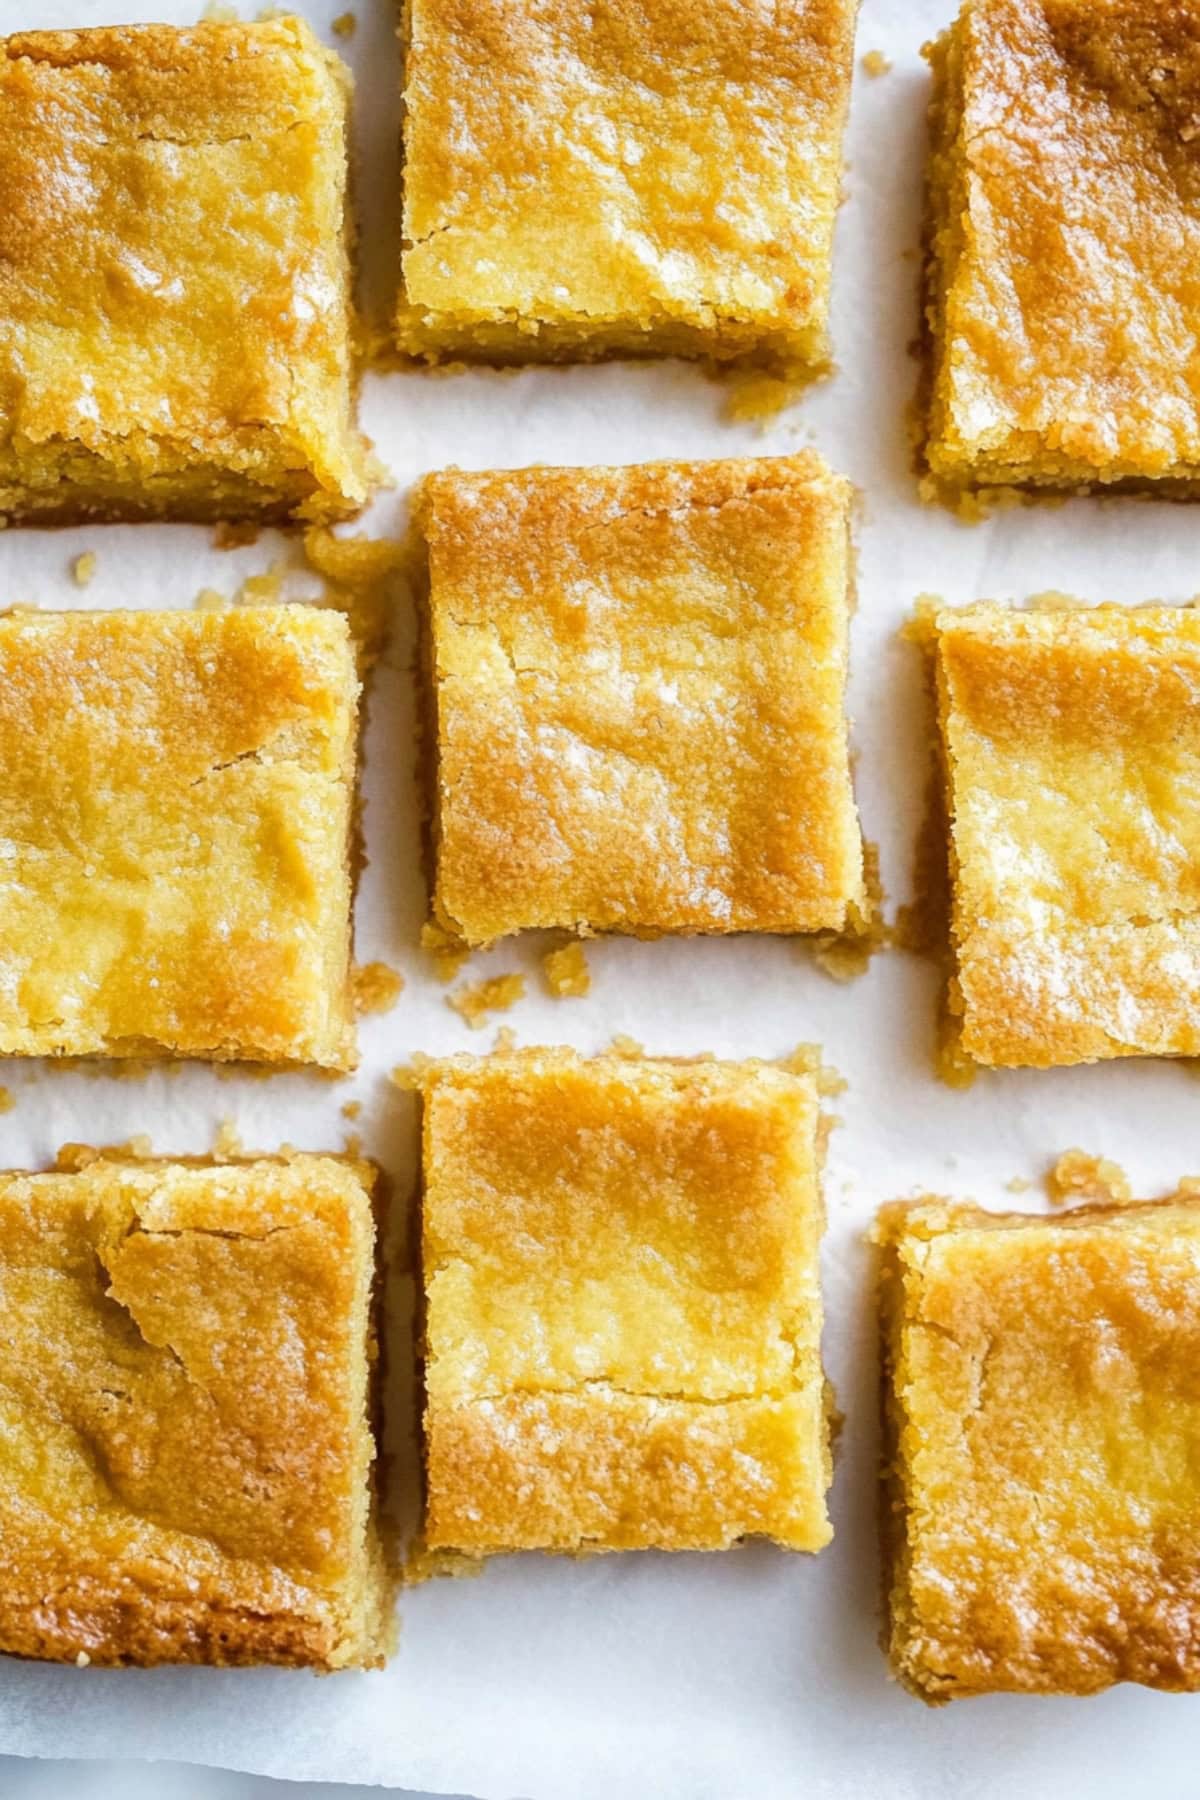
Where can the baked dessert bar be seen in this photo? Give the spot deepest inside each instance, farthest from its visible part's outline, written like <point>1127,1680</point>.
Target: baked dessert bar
<point>1072,749</point>
<point>1064,236</point>
<point>175,804</point>
<point>623,1313</point>
<point>187,1449</point>
<point>588,180</point>
<point>1044,1419</point>
<point>174,278</point>
<point>638,677</point>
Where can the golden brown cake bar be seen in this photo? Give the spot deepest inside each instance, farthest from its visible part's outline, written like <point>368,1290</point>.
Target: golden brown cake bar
<point>1042,1511</point>
<point>1071,741</point>
<point>623,1313</point>
<point>638,678</point>
<point>1064,303</point>
<point>634,177</point>
<point>175,805</point>
<point>174,276</point>
<point>184,1410</point>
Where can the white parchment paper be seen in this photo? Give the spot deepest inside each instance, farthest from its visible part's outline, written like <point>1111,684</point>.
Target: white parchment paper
<point>753,1673</point>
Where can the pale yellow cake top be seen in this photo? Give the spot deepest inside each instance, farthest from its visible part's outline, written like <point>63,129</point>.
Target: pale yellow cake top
<point>1046,1420</point>
<point>621,1256</point>
<point>174,306</point>
<point>1066,200</point>
<point>175,795</point>
<point>184,1408</point>
<point>672,166</point>
<point>1072,744</point>
<point>639,680</point>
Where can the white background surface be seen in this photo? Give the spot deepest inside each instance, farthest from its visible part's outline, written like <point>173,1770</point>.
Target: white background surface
<point>753,1673</point>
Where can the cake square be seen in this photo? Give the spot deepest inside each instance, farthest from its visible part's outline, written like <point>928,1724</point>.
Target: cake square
<point>590,179</point>
<point>175,310</point>
<point>1071,741</point>
<point>184,1407</point>
<point>1044,1423</point>
<point>623,1311</point>
<point>638,678</point>
<point>1064,240</point>
<point>175,813</point>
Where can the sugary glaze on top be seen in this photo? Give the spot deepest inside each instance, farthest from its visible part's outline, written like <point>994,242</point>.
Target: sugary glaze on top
<point>174,299</point>
<point>1071,741</point>
<point>1066,248</point>
<point>586,179</point>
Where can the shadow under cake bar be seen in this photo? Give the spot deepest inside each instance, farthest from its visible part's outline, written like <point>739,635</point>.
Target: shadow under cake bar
<point>174,275</point>
<point>175,808</point>
<point>1041,1519</point>
<point>1063,301</point>
<point>1071,744</point>
<point>654,179</point>
<point>638,680</point>
<point>185,1367</point>
<point>623,1312</point>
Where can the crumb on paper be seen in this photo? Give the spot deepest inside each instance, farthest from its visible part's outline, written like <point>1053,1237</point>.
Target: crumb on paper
<point>875,63</point>
<point>227,1144</point>
<point>82,1659</point>
<point>953,1067</point>
<point>475,999</point>
<point>345,25</point>
<point>7,1102</point>
<point>806,1059</point>
<point>352,1109</point>
<point>448,952</point>
<point>567,973</point>
<point>757,398</point>
<point>505,1041</point>
<point>265,589</point>
<point>235,534</point>
<point>376,987</point>
<point>1017,1185</point>
<point>624,1045</point>
<point>360,575</point>
<point>1078,1176</point>
<point>83,567</point>
<point>352,1145</point>
<point>409,1077</point>
<point>210,600</point>
<point>845,955</point>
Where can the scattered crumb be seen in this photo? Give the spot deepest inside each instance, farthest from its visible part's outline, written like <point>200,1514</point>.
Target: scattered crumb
<point>1078,1176</point>
<point>209,600</point>
<point>845,955</point>
<point>567,973</point>
<point>345,25</point>
<point>448,952</point>
<point>806,1060</point>
<point>951,1065</point>
<point>6,1100</point>
<point>409,1077</point>
<point>758,398</point>
<point>352,1146</point>
<point>875,63</point>
<point>82,1659</point>
<point>475,999</point>
<point>265,589</point>
<point>1018,1185</point>
<point>505,1041</point>
<point>352,1109</point>
<point>83,568</point>
<point>359,575</point>
<point>235,534</point>
<point>624,1045</point>
<point>227,1143</point>
<point>71,1158</point>
<point>376,987</point>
